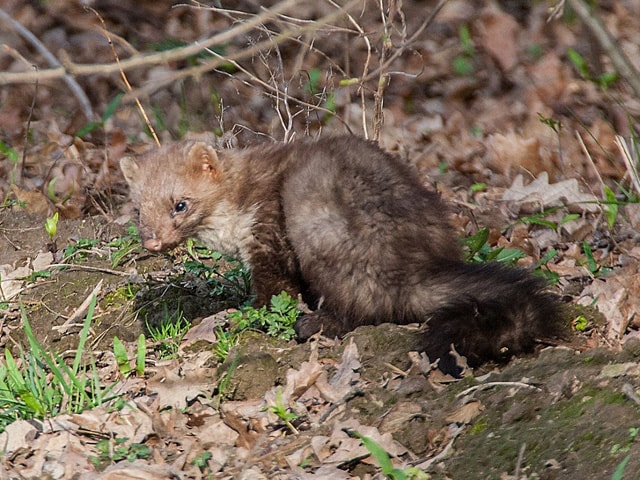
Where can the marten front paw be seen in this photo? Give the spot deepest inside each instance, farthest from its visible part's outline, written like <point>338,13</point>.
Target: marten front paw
<point>312,323</point>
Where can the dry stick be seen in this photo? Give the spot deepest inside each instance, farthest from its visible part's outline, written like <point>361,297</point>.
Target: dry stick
<point>630,392</point>
<point>86,268</point>
<point>125,79</point>
<point>365,69</point>
<point>295,71</point>
<point>383,79</point>
<point>71,68</point>
<point>274,90</point>
<point>23,166</point>
<point>307,46</point>
<point>79,312</point>
<point>446,451</point>
<point>484,386</point>
<point>276,39</point>
<point>248,52</point>
<point>516,475</point>
<point>615,53</point>
<point>591,162</point>
<point>375,73</point>
<point>556,11</point>
<point>53,61</point>
<point>628,161</point>
<point>288,128</point>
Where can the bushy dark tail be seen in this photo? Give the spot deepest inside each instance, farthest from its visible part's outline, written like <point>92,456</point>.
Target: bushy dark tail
<point>497,312</point>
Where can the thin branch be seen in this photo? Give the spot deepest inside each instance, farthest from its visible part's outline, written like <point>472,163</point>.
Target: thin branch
<point>25,148</point>
<point>184,52</point>
<point>591,162</point>
<point>218,60</point>
<point>629,162</point>
<point>144,60</point>
<point>287,126</point>
<point>365,68</point>
<point>273,89</point>
<point>87,268</point>
<point>383,78</point>
<point>516,475</point>
<point>384,66</point>
<point>80,311</point>
<point>125,79</point>
<point>485,386</point>
<point>85,104</point>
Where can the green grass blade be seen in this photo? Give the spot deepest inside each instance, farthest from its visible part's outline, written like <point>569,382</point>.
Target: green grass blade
<point>19,387</point>
<point>84,334</point>
<point>122,359</point>
<point>141,355</point>
<point>38,352</point>
<point>379,453</point>
<point>618,474</point>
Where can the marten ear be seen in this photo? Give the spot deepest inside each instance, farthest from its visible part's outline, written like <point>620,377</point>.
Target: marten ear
<point>130,169</point>
<point>203,157</point>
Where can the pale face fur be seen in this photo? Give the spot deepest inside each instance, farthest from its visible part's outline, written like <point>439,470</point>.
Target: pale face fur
<point>179,192</point>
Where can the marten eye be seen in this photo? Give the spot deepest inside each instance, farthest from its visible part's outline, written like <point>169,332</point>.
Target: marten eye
<point>180,207</point>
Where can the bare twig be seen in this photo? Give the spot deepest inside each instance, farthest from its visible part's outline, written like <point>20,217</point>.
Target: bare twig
<point>484,386</point>
<point>146,60</point>
<point>275,91</point>
<point>630,392</point>
<point>80,311</point>
<point>365,69</point>
<point>87,268</point>
<point>281,94</point>
<point>516,475</point>
<point>85,104</point>
<point>25,148</point>
<point>555,12</point>
<point>591,162</point>
<point>125,79</point>
<point>629,161</point>
<point>620,61</point>
<point>218,60</point>
<point>406,44</point>
<point>454,433</point>
<point>383,79</point>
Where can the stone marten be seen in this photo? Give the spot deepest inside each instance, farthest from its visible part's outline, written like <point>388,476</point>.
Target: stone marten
<point>352,229</point>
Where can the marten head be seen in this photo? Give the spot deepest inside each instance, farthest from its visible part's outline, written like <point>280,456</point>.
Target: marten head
<point>173,188</point>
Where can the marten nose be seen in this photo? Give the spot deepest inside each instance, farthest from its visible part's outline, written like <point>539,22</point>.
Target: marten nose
<point>153,244</point>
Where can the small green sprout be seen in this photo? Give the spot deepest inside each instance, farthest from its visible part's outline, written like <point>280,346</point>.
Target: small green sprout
<point>51,226</point>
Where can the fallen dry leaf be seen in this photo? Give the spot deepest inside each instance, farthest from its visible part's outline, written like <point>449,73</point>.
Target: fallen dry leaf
<point>136,470</point>
<point>247,418</point>
<point>205,330</point>
<point>498,36</point>
<point>617,297</point>
<point>175,390</point>
<point>346,449</point>
<point>34,201</point>
<point>466,413</point>
<point>541,194</point>
<point>512,153</point>
<point>19,434</point>
<point>12,279</point>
